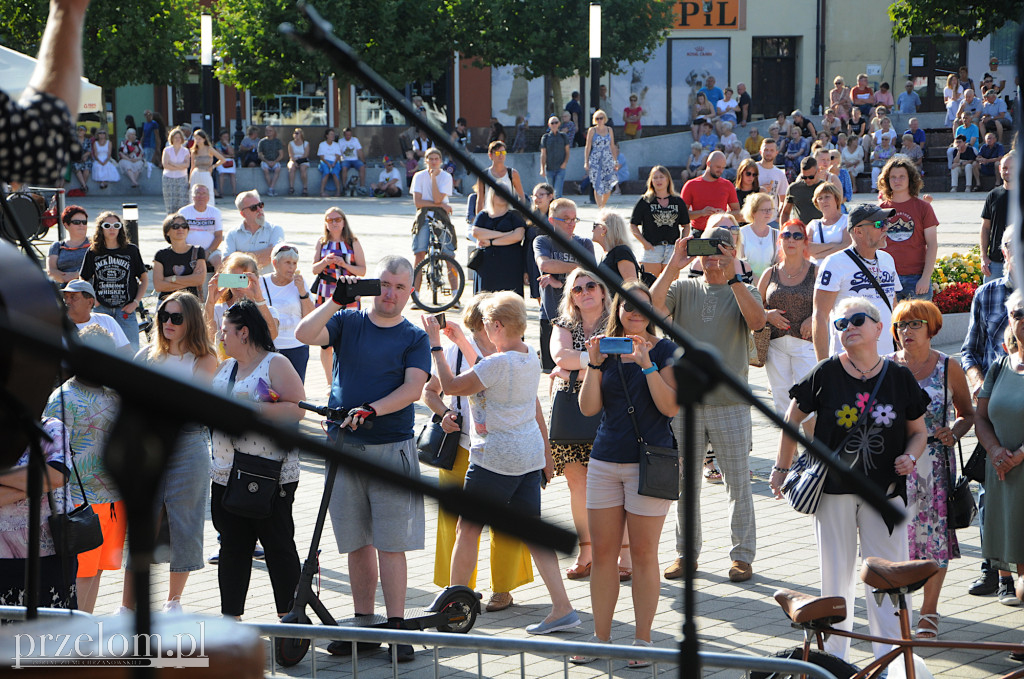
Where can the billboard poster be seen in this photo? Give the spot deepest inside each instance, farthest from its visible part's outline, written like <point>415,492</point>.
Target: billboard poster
<point>692,62</point>
<point>649,81</point>
<point>513,95</point>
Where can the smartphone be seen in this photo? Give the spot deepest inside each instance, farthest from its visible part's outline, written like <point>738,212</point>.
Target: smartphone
<point>367,287</point>
<point>441,323</point>
<point>232,280</point>
<point>615,345</point>
<point>703,247</point>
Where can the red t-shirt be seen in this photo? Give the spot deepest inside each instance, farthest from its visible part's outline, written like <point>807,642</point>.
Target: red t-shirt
<point>699,194</point>
<point>862,95</point>
<point>905,241</point>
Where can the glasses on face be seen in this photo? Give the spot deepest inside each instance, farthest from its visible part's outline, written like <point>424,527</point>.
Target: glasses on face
<point>176,318</point>
<point>795,235</point>
<point>629,307</point>
<point>111,225</point>
<point>589,287</point>
<point>913,324</point>
<point>78,222</point>
<point>597,224</point>
<point>572,221</point>
<point>749,174</point>
<point>808,177</point>
<point>552,122</point>
<point>500,153</point>
<point>256,207</point>
<point>878,224</point>
<point>176,226</point>
<point>1017,314</point>
<point>767,211</point>
<point>856,320</point>
<point>334,220</point>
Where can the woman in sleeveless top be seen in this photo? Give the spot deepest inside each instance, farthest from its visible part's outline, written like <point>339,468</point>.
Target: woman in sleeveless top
<point>176,161</point>
<point>255,372</point>
<point>337,253</point>
<point>787,289</point>
<point>205,159</point>
<point>298,159</point>
<point>949,416</point>
<point>183,349</point>
<point>104,167</point>
<point>599,158</point>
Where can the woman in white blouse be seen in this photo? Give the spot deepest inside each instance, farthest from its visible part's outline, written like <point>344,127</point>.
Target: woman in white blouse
<point>288,294</point>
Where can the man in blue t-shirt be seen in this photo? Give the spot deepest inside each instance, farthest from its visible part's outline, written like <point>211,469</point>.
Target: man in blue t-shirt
<point>381,363</point>
<point>554,263</point>
<point>713,94</point>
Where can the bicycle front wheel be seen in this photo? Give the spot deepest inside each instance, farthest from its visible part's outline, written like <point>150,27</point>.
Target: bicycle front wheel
<point>441,283</point>
<point>837,666</point>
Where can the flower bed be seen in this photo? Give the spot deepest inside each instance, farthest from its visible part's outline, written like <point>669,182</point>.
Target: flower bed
<point>954,280</point>
<point>955,298</point>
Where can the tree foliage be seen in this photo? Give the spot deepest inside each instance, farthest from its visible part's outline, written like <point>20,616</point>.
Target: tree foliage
<point>146,42</point>
<point>936,17</point>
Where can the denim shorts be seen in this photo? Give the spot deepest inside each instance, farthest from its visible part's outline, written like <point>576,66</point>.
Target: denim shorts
<point>421,239</point>
<point>659,254</point>
<point>521,493</point>
<point>183,498</point>
<point>354,163</point>
<point>336,170</point>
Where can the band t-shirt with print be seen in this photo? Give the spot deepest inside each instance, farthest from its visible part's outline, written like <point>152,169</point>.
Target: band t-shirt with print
<point>841,274</point>
<point>114,274</point>
<point>660,225</point>
<point>905,237</point>
<point>839,399</point>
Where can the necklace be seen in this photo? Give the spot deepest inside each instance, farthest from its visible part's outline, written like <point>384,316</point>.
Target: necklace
<point>921,366</point>
<point>863,373</point>
<point>792,276</point>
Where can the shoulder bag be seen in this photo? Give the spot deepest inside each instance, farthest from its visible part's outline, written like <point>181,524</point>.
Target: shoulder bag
<point>871,277</point>
<point>568,424</point>
<point>76,531</point>
<point>978,461</point>
<point>435,446</point>
<point>659,466</point>
<point>253,481</point>
<point>806,480</point>
<point>960,506</point>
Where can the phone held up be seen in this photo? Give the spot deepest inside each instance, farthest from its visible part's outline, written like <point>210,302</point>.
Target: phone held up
<point>232,280</point>
<point>615,345</point>
<point>441,323</point>
<point>703,247</point>
<point>366,287</point>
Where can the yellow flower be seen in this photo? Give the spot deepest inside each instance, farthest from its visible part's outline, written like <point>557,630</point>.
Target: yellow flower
<point>847,416</point>
<point>970,268</point>
<point>977,279</point>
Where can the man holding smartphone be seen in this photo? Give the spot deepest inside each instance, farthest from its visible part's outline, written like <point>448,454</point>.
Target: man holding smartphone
<point>381,363</point>
<point>722,310</point>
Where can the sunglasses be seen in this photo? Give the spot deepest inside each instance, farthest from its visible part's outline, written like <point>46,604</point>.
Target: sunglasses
<point>749,174</point>
<point>589,287</point>
<point>334,220</point>
<point>808,177</point>
<point>915,324</point>
<point>1017,314</point>
<point>179,225</point>
<point>176,318</point>
<point>878,223</point>
<point>78,222</point>
<point>574,220</point>
<point>856,320</point>
<point>287,248</point>
<point>500,153</point>
<point>629,307</point>
<point>795,235</point>
<point>111,225</point>
<point>255,207</point>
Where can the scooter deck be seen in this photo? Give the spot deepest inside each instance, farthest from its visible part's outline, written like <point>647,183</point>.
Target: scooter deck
<point>415,619</point>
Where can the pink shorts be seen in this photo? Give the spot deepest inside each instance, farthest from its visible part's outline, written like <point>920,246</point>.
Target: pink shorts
<point>610,484</point>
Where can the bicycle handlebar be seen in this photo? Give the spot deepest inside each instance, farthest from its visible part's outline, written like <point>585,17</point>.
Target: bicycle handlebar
<point>332,414</point>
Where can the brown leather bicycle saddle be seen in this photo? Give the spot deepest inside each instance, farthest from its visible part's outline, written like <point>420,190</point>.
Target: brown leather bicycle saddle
<point>896,577</point>
<point>805,608</point>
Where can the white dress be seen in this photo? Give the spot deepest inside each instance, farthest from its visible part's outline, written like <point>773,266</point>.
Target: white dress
<point>107,172</point>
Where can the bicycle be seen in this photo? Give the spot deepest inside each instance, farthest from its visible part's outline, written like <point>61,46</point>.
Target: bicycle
<point>443,291</point>
<point>816,615</point>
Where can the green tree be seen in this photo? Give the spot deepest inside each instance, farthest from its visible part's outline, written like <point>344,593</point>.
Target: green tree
<point>146,42</point>
<point>936,17</point>
<point>551,37</point>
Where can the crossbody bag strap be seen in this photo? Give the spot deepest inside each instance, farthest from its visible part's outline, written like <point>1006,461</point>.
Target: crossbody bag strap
<point>945,404</point>
<point>871,277</point>
<point>629,401</point>
<point>458,369</point>
<point>270,300</point>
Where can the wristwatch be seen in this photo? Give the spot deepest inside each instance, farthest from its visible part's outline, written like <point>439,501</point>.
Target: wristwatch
<point>735,279</point>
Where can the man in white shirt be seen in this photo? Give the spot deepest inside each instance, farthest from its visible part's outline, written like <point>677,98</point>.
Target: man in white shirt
<point>80,298</point>
<point>388,182</point>
<point>351,156</point>
<point>840,276</point>
<point>253,235</point>
<point>771,179</point>
<point>205,225</point>
<point>430,190</point>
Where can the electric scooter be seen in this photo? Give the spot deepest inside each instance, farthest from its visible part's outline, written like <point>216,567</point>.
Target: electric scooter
<point>453,610</point>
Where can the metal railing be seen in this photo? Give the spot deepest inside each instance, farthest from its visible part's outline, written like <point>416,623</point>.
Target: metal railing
<point>501,645</point>
<point>18,613</point>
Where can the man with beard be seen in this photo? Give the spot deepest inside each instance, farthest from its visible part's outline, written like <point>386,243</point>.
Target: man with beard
<point>771,178</point>
<point>710,194</point>
<point>254,235</point>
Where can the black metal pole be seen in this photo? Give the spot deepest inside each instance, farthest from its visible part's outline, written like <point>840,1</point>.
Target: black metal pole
<point>239,134</point>
<point>207,87</point>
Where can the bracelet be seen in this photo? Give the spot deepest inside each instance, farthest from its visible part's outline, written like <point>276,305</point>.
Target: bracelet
<point>781,470</point>
<point>652,369</point>
<point>262,303</point>
<point>600,366</point>
<point>306,296</point>
<point>437,348</point>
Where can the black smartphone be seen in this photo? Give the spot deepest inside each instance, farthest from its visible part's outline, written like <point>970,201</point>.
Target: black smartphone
<point>703,247</point>
<point>367,287</point>
<point>441,323</point>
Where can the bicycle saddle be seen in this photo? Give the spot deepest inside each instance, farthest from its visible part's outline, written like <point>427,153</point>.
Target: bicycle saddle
<point>804,609</point>
<point>896,578</point>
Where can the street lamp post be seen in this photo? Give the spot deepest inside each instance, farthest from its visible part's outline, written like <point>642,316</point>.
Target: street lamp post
<point>595,56</point>
<point>206,80</point>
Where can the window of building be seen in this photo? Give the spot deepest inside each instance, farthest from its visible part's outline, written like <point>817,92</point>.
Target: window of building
<point>306,104</point>
<point>1003,43</point>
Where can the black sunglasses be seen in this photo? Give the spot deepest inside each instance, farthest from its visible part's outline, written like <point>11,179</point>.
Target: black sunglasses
<point>1017,314</point>
<point>78,222</point>
<point>629,307</point>
<point>807,177</point>
<point>257,206</point>
<point>179,225</point>
<point>856,320</point>
<point>176,318</point>
<point>589,287</point>
<point>795,235</point>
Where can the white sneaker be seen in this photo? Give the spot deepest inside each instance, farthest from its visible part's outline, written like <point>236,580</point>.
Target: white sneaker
<point>173,607</point>
<point>124,610</point>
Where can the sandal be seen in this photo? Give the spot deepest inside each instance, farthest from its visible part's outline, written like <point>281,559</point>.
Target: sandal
<point>305,192</point>
<point>930,632</point>
<point>579,570</point>
<point>625,572</point>
<point>711,474</point>
<point>587,659</point>
<point>637,664</point>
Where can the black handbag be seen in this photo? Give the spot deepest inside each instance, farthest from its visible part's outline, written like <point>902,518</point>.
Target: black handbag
<point>435,446</point>
<point>978,461</point>
<point>567,424</point>
<point>477,259</point>
<point>76,531</point>
<point>252,485</point>
<point>659,466</point>
<point>960,506</point>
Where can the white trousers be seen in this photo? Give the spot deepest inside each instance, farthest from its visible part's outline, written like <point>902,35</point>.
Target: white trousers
<point>954,175</point>
<point>789,360</point>
<point>837,524</point>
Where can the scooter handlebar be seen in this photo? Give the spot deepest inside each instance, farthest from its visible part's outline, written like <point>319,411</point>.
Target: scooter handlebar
<point>332,414</point>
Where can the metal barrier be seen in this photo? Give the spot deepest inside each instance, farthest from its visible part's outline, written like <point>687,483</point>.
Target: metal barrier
<point>543,647</point>
<point>18,613</point>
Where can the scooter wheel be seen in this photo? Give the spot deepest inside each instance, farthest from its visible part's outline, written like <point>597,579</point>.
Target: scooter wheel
<point>290,652</point>
<point>461,613</point>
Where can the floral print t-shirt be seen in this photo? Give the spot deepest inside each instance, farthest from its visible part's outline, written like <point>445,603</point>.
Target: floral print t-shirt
<point>839,400</point>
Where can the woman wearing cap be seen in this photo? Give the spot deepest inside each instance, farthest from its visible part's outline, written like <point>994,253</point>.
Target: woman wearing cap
<point>288,294</point>
<point>882,439</point>
<point>64,260</point>
<point>115,269</point>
